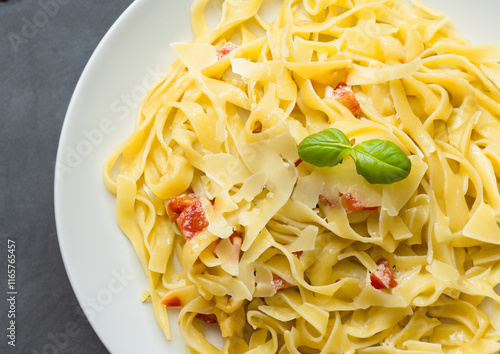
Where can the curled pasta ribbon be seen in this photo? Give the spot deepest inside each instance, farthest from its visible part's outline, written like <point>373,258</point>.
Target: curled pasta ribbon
<point>175,181</point>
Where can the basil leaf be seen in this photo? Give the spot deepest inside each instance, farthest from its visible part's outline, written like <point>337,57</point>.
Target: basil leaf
<point>326,148</point>
<point>381,161</point>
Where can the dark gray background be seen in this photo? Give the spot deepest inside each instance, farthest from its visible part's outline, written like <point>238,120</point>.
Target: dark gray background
<point>44,46</point>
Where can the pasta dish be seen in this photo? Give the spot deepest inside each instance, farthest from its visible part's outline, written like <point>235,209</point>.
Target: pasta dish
<point>325,182</point>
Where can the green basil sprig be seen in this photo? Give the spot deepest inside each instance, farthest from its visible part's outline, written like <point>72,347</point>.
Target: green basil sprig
<point>378,161</point>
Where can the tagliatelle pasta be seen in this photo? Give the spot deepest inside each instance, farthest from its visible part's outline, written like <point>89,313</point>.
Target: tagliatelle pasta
<point>285,257</point>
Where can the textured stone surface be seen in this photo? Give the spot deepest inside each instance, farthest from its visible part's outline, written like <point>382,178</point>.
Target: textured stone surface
<point>44,46</point>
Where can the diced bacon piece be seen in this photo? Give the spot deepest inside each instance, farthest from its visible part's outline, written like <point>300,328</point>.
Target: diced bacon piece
<point>383,277</point>
<point>351,202</point>
<point>171,301</point>
<point>298,254</point>
<point>346,97</point>
<point>210,319</point>
<point>279,282</point>
<point>192,220</point>
<point>177,204</point>
<point>225,50</point>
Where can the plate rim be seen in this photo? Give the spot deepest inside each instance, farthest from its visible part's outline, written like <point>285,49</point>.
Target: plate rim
<point>64,137</point>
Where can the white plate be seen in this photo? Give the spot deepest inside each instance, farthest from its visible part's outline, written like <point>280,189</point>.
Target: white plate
<point>101,264</point>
